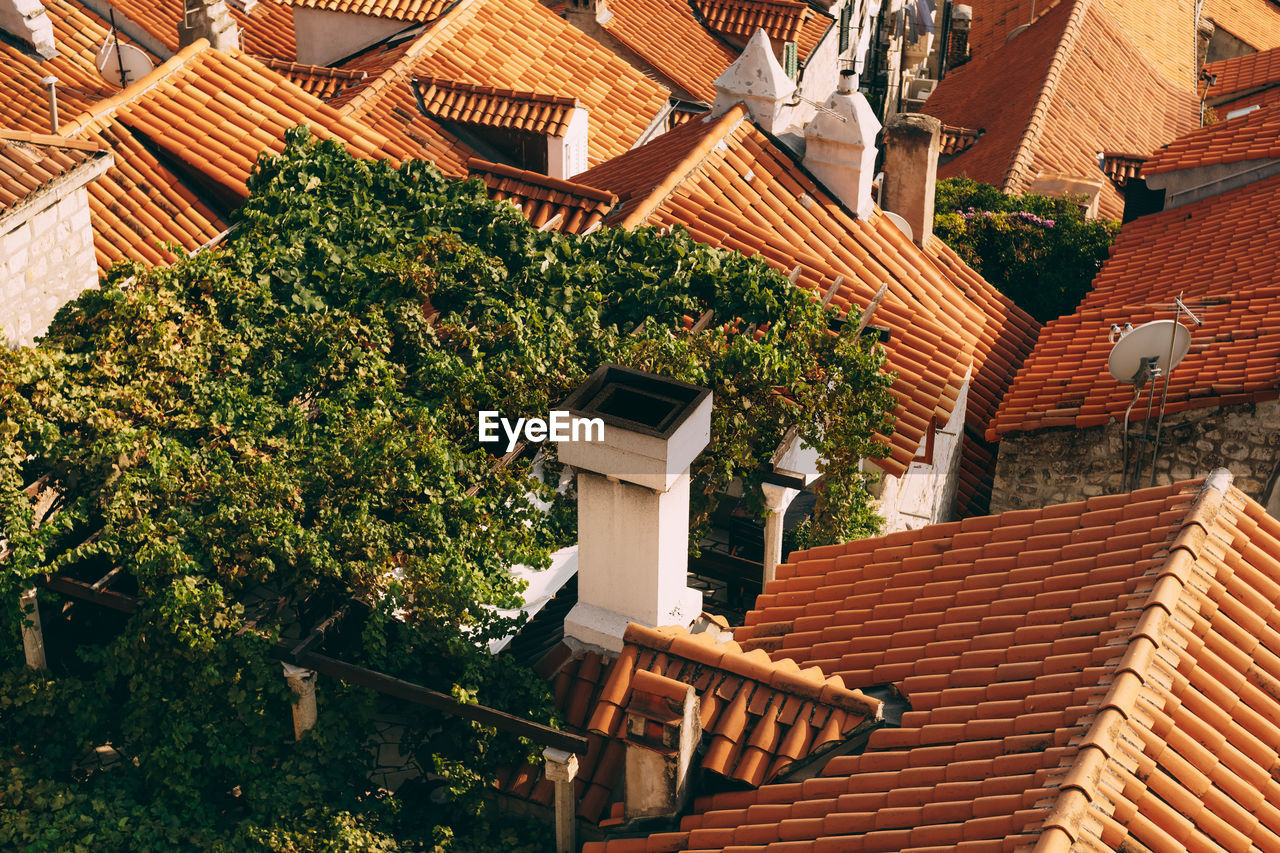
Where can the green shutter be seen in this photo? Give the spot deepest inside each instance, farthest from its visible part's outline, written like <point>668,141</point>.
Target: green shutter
<point>791,59</point>
<point>846,17</point>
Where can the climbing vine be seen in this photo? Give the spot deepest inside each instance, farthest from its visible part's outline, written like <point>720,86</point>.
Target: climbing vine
<point>292,419</point>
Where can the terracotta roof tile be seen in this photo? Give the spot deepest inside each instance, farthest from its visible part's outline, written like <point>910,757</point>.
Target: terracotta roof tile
<point>757,714</point>
<point>732,187</point>
<point>30,162</point>
<point>417,11</point>
<point>1150,725</point>
<point>268,31</point>
<point>216,112</point>
<point>1154,258</point>
<point>1255,22</point>
<point>1120,167</point>
<point>1254,136</point>
<point>1163,32</point>
<point>323,82</point>
<point>667,35</point>
<point>1046,108</point>
<point>469,103</point>
<point>519,45</point>
<point>1242,75</point>
<point>780,19</point>
<point>580,208</point>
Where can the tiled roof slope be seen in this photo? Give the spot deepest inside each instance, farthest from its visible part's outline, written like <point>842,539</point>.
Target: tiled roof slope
<point>468,103</point>
<point>319,80</point>
<point>78,33</point>
<point>1254,22</point>
<point>1235,355</point>
<point>29,162</point>
<point>267,32</point>
<point>1255,136</point>
<point>667,35</point>
<point>759,716</point>
<point>1089,676</point>
<point>540,198</point>
<point>416,11</point>
<point>732,187</point>
<point>216,112</point>
<point>782,20</point>
<point>1244,81</point>
<point>520,45</point>
<point>1162,30</point>
<point>1047,101</point>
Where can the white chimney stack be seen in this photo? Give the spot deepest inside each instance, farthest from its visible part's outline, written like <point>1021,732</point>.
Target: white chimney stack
<point>208,19</point>
<point>840,145</point>
<point>757,79</point>
<point>633,502</point>
<point>567,154</point>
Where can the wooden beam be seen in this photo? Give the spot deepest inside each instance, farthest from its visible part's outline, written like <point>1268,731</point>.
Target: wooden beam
<point>871,308</point>
<point>86,592</point>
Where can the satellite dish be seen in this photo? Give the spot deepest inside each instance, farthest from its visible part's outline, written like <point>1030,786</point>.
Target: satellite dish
<point>1017,31</point>
<point>129,66</point>
<point>1148,346</point>
<point>901,223</point>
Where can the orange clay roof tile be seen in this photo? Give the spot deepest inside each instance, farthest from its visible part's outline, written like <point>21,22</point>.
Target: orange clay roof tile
<point>1152,725</point>
<point>1240,76</point>
<point>519,45</point>
<point>780,19</point>
<point>1046,108</point>
<point>1255,22</point>
<point>667,35</point>
<point>417,11</point>
<point>732,187</point>
<point>323,82</point>
<point>1154,259</point>
<point>755,712</point>
<point>30,162</point>
<point>468,103</point>
<point>216,112</point>
<point>1163,32</point>
<point>581,209</point>
<point>1254,136</point>
<point>267,32</point>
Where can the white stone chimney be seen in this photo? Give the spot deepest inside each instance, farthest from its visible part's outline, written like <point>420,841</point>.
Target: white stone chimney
<point>840,145</point>
<point>911,171</point>
<point>208,19</point>
<point>633,502</point>
<point>757,79</point>
<point>567,154</point>
<point>27,21</point>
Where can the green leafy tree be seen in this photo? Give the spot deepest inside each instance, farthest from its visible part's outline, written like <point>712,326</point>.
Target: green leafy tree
<point>293,418</point>
<point>1038,250</point>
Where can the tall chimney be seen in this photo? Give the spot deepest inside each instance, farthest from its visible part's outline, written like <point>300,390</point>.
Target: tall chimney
<point>758,80</point>
<point>633,502</point>
<point>208,19</point>
<point>911,171</point>
<point>840,145</point>
<point>958,38</point>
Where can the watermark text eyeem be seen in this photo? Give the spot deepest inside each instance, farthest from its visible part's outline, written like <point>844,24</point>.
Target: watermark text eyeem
<point>558,426</point>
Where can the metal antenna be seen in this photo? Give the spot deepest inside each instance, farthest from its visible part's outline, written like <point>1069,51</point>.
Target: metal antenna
<point>124,81</point>
<point>1179,308</point>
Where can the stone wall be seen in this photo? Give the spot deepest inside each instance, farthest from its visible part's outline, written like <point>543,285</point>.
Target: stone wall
<point>46,260</point>
<point>1061,465</point>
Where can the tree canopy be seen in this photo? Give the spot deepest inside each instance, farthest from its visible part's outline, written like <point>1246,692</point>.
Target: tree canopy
<point>1040,251</point>
<point>295,414</point>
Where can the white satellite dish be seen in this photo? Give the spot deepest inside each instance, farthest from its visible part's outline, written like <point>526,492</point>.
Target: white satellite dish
<point>1148,346</point>
<point>902,224</point>
<point>134,62</point>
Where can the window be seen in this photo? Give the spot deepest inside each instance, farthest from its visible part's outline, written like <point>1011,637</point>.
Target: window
<point>791,59</point>
<point>846,18</point>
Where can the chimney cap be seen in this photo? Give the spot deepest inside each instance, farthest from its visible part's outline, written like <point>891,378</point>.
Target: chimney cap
<point>636,401</point>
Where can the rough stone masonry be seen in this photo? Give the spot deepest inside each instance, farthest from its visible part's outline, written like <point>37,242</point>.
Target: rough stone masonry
<point>1061,465</point>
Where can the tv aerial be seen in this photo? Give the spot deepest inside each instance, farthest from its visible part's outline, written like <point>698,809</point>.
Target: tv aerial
<point>1143,354</point>
<point>121,64</point>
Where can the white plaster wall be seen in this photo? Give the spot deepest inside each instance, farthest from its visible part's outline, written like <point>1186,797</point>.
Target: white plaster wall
<point>926,493</point>
<point>136,33</point>
<point>822,71</point>
<point>324,37</point>
<point>46,259</point>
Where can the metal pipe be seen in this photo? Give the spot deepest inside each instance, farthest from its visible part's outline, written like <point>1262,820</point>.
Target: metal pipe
<point>52,83</point>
